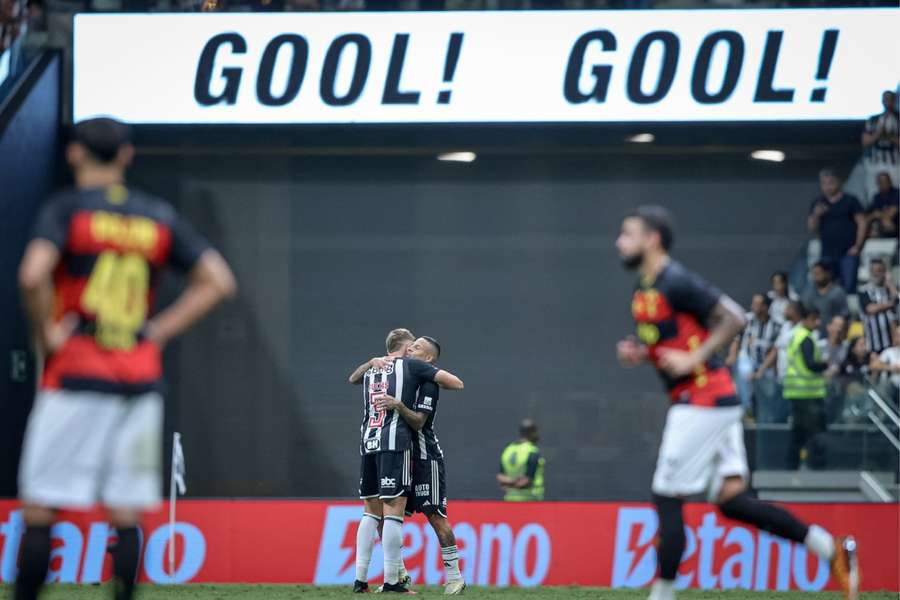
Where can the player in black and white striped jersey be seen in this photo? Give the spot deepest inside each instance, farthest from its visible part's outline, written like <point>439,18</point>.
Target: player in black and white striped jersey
<point>881,144</point>
<point>390,390</point>
<point>878,299</point>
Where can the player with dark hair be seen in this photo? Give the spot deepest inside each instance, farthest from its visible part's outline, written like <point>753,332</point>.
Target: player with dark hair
<point>88,279</point>
<point>386,449</point>
<point>429,474</point>
<point>682,322</point>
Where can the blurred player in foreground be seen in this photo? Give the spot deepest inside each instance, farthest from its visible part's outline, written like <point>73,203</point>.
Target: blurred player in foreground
<point>682,321</point>
<point>88,280</point>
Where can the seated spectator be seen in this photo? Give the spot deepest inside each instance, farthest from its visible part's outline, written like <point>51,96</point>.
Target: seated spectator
<point>777,410</point>
<point>824,296</point>
<point>856,364</point>
<point>878,300</point>
<point>887,365</point>
<point>839,221</point>
<point>780,296</point>
<point>834,346</point>
<point>880,142</point>
<point>884,212</point>
<point>851,383</point>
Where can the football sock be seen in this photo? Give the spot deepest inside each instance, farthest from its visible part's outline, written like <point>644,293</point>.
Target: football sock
<point>392,538</point>
<point>450,555</point>
<point>671,535</point>
<point>365,543</point>
<point>765,516</point>
<point>820,542</point>
<point>34,561</point>
<point>126,555</point>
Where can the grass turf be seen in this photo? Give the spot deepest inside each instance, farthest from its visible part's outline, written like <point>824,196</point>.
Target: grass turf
<point>306,592</point>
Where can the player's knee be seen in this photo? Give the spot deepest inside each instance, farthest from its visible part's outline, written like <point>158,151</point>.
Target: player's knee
<point>38,516</point>
<point>123,517</point>
<point>736,506</point>
<point>731,488</point>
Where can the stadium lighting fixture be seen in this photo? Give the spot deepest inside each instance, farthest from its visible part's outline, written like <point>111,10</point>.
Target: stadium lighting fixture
<point>641,138</point>
<point>465,157</point>
<point>769,155</point>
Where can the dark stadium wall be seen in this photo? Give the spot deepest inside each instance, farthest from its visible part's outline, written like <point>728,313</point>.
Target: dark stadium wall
<point>29,128</point>
<point>508,261</point>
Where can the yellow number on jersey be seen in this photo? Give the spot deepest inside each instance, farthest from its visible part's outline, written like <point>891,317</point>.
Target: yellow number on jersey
<point>116,293</point>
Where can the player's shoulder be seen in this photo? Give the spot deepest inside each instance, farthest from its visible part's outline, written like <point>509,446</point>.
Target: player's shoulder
<point>145,204</point>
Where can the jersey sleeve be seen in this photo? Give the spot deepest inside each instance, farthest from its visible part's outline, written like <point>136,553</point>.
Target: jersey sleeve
<point>531,469</point>
<point>53,223</point>
<point>187,245</point>
<point>421,370</point>
<point>428,399</point>
<point>692,295</point>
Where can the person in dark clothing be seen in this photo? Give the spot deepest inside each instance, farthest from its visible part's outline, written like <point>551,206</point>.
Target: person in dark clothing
<point>805,387</point>
<point>840,222</point>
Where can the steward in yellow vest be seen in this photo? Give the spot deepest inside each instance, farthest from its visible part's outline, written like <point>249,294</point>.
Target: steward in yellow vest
<point>522,467</point>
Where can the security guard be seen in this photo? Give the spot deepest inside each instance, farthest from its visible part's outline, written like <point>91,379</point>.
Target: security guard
<point>805,388</point>
<point>522,466</point>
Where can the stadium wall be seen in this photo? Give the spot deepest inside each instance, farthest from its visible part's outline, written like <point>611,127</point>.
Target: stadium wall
<point>29,129</point>
<point>591,544</point>
<point>509,261</point>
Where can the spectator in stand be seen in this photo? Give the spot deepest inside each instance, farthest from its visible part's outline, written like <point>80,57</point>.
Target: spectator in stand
<point>856,366</point>
<point>880,142</point>
<point>776,409</point>
<point>780,296</point>
<point>887,364</point>
<point>878,300</point>
<point>755,342</point>
<point>884,212</point>
<point>840,222</point>
<point>825,296</point>
<point>850,383</point>
<point>835,347</point>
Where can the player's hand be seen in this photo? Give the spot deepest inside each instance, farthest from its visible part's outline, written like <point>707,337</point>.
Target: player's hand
<point>677,363</point>
<point>386,403</point>
<point>631,353</point>
<point>55,334</point>
<point>379,362</point>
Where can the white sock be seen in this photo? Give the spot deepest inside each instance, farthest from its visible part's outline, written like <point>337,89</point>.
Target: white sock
<point>451,563</point>
<point>662,589</point>
<point>820,542</point>
<point>365,543</point>
<point>391,542</point>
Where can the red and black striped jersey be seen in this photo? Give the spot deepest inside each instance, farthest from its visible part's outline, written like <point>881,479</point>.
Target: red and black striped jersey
<point>673,312</point>
<point>114,244</point>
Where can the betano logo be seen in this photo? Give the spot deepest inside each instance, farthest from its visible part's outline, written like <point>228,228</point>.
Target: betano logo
<point>716,556</point>
<point>492,554</point>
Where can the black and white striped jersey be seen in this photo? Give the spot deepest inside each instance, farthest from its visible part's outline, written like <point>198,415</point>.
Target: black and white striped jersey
<point>878,326</point>
<point>885,150</point>
<point>387,431</point>
<point>425,442</point>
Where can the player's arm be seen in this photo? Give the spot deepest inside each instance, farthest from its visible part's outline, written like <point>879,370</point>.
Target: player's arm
<point>36,282</point>
<point>631,352</point>
<point>448,380</point>
<point>209,282</point>
<point>414,419</point>
<point>725,320</point>
<point>377,362</point>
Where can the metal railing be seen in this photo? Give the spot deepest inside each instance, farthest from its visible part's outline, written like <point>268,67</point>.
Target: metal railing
<point>877,418</point>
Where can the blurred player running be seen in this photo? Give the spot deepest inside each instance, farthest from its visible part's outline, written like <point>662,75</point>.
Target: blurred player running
<point>682,321</point>
<point>386,448</point>
<point>429,478</point>
<point>88,279</point>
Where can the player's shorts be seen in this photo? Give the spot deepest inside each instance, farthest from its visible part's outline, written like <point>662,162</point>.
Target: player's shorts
<point>700,447</point>
<point>429,487</point>
<point>86,447</point>
<point>385,475</point>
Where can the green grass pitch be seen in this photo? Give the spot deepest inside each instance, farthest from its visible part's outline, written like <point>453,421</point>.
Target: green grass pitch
<point>306,592</point>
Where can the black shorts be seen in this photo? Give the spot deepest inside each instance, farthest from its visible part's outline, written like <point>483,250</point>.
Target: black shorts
<point>429,487</point>
<point>385,475</point>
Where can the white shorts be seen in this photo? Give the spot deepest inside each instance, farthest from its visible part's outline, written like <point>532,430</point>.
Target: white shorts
<point>86,447</point>
<point>700,447</point>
